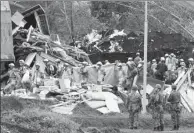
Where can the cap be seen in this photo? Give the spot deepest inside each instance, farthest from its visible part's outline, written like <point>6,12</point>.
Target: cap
<point>134,87</point>
<point>99,63</point>
<point>57,60</point>
<point>190,59</point>
<point>166,55</point>
<point>158,86</point>
<point>45,60</point>
<point>181,60</point>
<point>11,64</point>
<point>130,59</point>
<point>137,53</point>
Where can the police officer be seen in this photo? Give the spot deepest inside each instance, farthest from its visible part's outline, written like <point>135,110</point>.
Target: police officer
<point>175,100</point>
<point>134,106</point>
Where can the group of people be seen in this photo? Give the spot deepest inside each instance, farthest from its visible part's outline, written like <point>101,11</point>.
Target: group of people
<point>156,106</point>
<point>24,77</point>
<point>169,68</point>
<point>28,78</point>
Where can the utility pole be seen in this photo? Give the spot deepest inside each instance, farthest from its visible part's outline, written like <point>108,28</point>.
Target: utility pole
<point>71,19</point>
<point>145,58</point>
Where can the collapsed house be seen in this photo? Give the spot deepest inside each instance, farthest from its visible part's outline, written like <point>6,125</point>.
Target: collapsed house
<point>34,36</point>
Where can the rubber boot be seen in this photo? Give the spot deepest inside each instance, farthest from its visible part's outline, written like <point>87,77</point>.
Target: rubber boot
<point>158,128</point>
<point>177,127</point>
<point>155,128</point>
<point>130,127</point>
<point>174,128</point>
<point>162,127</point>
<point>134,127</point>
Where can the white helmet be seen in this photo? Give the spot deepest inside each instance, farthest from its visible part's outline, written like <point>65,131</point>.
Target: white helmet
<point>162,59</point>
<point>166,55</point>
<point>191,59</point>
<point>130,59</point>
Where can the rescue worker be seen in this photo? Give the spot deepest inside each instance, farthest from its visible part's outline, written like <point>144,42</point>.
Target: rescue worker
<point>58,68</point>
<point>38,76</point>
<point>181,60</point>
<point>67,76</point>
<point>156,105</point>
<point>191,63</point>
<point>174,62</point>
<point>50,70</point>
<point>84,72</point>
<point>134,106</point>
<point>22,68</point>
<point>131,73</point>
<point>14,77</point>
<point>161,69</point>
<point>106,62</point>
<point>166,59</point>
<point>137,58</point>
<point>153,67</point>
<point>100,73</point>
<point>174,99</point>
<point>26,79</point>
<point>120,75</point>
<point>182,69</point>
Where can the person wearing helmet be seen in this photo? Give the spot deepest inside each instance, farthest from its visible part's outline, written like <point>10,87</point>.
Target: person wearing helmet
<point>14,78</point>
<point>59,68</point>
<point>168,61</point>
<point>67,75</point>
<point>137,58</point>
<point>134,106</point>
<point>174,99</point>
<point>120,75</point>
<point>191,63</point>
<point>131,73</point>
<point>100,73</point>
<point>157,99</point>
<point>174,62</point>
<point>84,72</point>
<point>22,68</point>
<point>50,70</point>
<point>161,69</point>
<point>106,62</point>
<point>182,69</point>
<point>38,76</point>
<point>153,67</point>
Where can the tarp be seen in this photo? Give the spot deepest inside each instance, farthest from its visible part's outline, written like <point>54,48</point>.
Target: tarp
<point>110,77</point>
<point>7,53</point>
